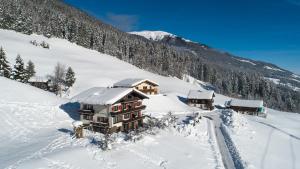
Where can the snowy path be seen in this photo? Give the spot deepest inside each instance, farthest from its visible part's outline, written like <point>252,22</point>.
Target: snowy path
<point>227,157</point>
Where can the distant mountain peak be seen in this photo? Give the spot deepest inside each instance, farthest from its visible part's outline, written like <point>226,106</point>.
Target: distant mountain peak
<point>156,35</point>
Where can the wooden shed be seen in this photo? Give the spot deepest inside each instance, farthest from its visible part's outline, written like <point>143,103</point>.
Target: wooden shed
<point>201,99</point>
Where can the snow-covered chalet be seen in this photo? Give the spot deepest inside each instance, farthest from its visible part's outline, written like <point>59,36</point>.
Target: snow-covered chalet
<point>201,99</point>
<point>108,110</point>
<point>251,107</point>
<point>144,85</point>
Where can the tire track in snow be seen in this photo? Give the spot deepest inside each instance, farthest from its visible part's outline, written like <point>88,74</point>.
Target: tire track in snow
<point>214,145</point>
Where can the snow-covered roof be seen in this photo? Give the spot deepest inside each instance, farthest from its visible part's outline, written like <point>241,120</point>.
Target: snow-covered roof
<point>104,95</point>
<point>246,103</point>
<point>38,79</point>
<point>132,82</point>
<point>77,123</point>
<point>197,94</point>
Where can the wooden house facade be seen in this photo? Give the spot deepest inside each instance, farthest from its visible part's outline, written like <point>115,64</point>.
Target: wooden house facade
<point>250,107</point>
<point>144,85</point>
<point>108,110</point>
<point>40,82</point>
<point>201,99</point>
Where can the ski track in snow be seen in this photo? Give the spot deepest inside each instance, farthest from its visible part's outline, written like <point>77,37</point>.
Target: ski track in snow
<point>57,164</point>
<point>62,141</point>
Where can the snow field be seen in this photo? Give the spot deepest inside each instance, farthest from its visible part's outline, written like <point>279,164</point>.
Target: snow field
<point>273,142</point>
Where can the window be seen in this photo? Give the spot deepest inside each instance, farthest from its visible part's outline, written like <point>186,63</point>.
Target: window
<point>134,115</point>
<point>126,116</point>
<point>116,119</point>
<point>102,119</point>
<point>115,108</point>
<point>88,107</point>
<point>87,117</point>
<point>145,87</point>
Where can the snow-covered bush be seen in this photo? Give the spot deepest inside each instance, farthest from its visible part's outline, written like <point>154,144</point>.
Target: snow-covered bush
<point>34,42</point>
<point>234,120</point>
<point>45,45</point>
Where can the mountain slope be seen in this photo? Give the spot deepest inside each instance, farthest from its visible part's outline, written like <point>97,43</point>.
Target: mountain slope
<point>36,125</point>
<point>221,59</point>
<point>57,19</point>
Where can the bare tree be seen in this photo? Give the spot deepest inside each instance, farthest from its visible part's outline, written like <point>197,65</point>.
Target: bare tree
<point>58,79</point>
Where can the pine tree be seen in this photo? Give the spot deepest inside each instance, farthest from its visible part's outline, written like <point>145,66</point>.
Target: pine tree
<point>70,77</point>
<point>5,69</point>
<point>30,70</point>
<point>19,72</point>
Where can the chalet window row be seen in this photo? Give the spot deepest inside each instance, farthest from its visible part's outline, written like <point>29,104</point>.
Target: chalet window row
<point>102,119</point>
<point>117,119</point>
<point>87,117</point>
<point>198,101</point>
<point>126,106</point>
<point>88,107</point>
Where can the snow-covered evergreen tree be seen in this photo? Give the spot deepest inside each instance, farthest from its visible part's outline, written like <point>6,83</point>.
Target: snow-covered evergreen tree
<point>5,69</point>
<point>70,77</point>
<point>30,70</point>
<point>19,72</point>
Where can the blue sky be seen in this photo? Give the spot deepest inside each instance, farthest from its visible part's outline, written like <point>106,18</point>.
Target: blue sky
<point>267,30</point>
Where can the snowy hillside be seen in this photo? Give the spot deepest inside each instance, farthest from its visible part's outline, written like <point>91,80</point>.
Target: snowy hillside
<point>273,142</point>
<point>35,133</point>
<point>30,121</point>
<point>36,125</point>
<point>92,68</point>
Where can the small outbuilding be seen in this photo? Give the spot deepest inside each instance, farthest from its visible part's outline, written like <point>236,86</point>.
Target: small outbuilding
<point>40,82</point>
<point>251,107</point>
<point>144,85</point>
<point>201,99</point>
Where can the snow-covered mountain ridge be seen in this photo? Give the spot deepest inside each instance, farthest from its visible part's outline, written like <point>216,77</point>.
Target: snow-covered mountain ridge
<point>156,35</point>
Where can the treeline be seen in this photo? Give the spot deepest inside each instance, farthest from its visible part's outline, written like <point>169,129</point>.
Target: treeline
<point>250,86</point>
<point>54,18</point>
<point>19,72</point>
<point>60,81</point>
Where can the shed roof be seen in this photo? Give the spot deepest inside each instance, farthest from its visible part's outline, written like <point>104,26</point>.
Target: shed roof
<point>38,79</point>
<point>104,95</point>
<point>133,82</point>
<point>197,94</point>
<point>246,103</point>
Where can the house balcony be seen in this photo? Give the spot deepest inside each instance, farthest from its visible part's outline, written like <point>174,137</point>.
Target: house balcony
<point>124,111</point>
<point>155,91</point>
<point>133,119</point>
<point>99,124</point>
<point>87,112</point>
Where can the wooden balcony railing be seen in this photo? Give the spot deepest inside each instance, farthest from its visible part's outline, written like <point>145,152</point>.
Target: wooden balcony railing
<point>149,90</point>
<point>83,111</point>
<point>124,111</point>
<point>99,124</point>
<point>133,119</point>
